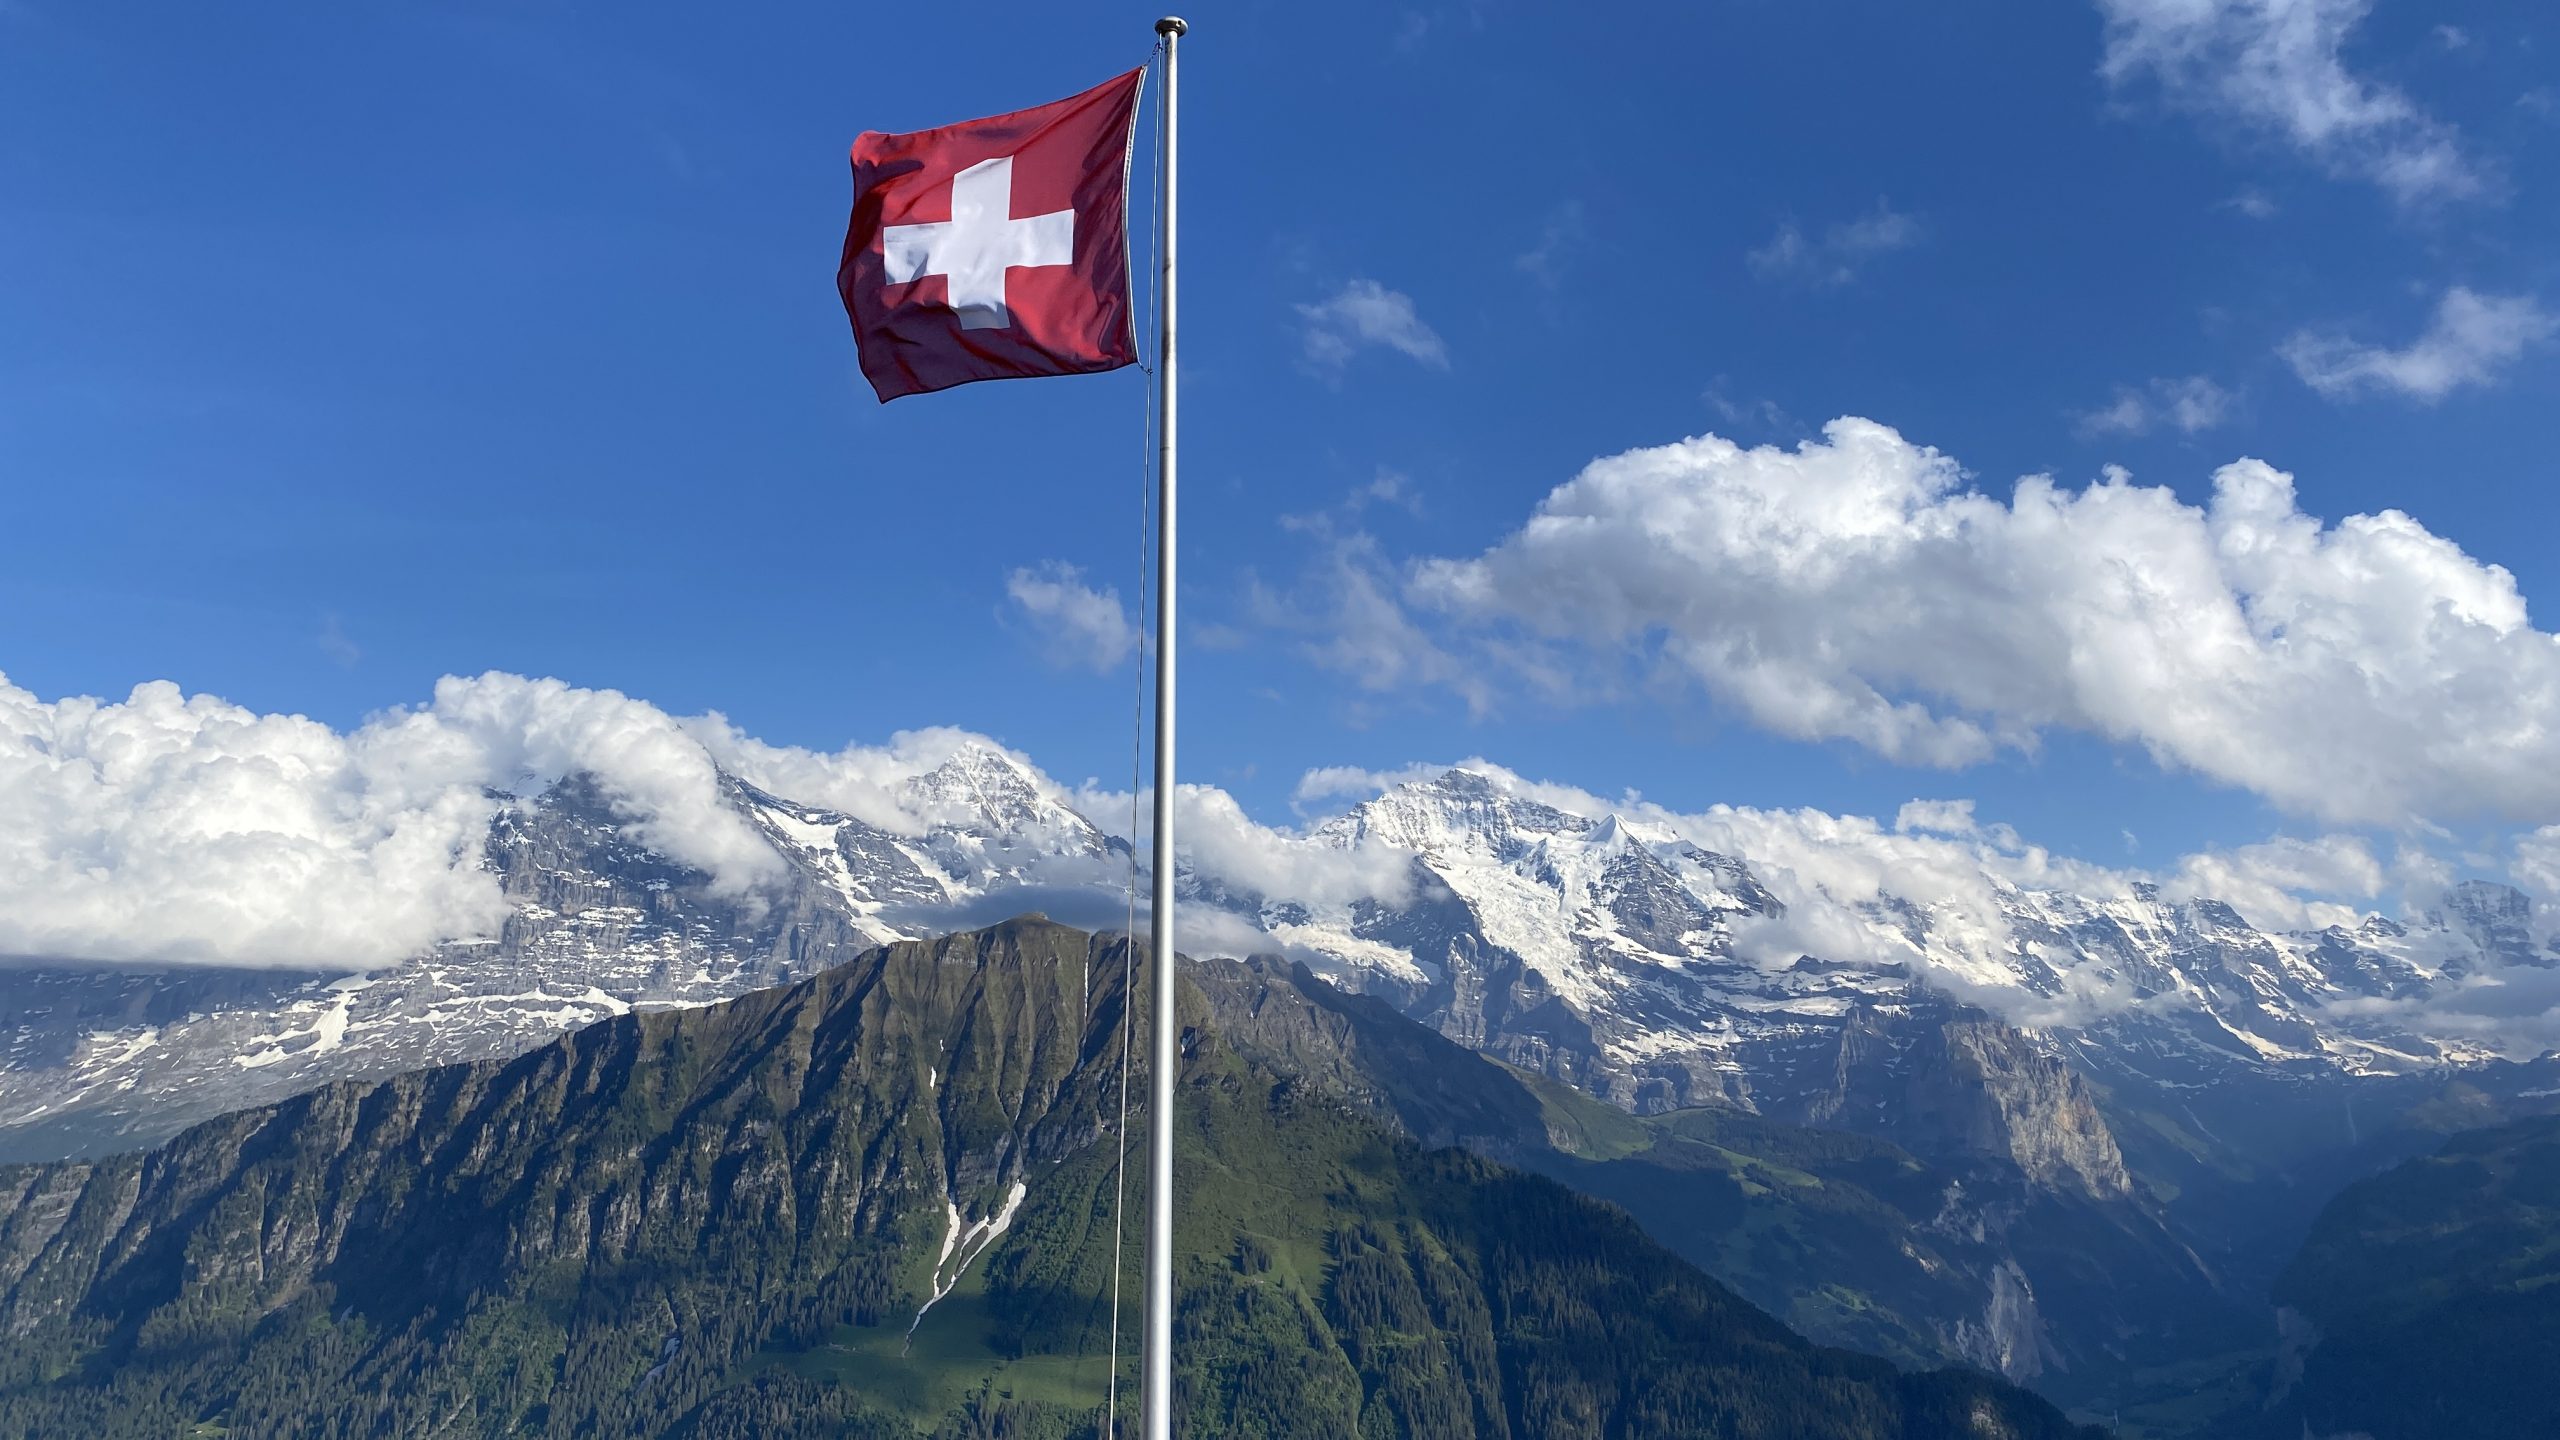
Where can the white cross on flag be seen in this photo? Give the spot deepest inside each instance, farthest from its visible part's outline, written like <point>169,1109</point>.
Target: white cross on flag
<point>994,248</point>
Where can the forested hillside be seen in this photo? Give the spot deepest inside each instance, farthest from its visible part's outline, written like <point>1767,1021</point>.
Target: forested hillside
<point>2426,1300</point>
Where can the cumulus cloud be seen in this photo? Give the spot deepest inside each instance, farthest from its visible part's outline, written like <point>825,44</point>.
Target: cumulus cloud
<point>1939,817</point>
<point>1082,627</point>
<point>2277,68</point>
<point>1365,314</point>
<point>2470,338</point>
<point>1855,588</point>
<point>1244,862</point>
<point>168,827</point>
<point>2188,405</point>
<point>1214,837</point>
<point>1835,256</point>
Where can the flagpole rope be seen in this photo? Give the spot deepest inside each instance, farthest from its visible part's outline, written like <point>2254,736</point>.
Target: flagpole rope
<point>1137,770</point>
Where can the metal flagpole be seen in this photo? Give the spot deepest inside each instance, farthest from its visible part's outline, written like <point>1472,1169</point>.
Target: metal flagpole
<point>1157,1401</point>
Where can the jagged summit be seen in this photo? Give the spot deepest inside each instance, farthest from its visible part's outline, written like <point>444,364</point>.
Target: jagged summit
<point>982,788</point>
<point>1459,812</point>
<point>2498,918</point>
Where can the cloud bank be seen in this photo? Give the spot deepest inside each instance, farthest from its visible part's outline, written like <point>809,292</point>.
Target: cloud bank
<point>174,829</point>
<point>165,828</point>
<point>178,829</point>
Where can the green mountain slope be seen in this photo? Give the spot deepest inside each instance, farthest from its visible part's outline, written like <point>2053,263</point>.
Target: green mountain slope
<point>728,1221</point>
<point>2433,1291</point>
<point>1852,1240</point>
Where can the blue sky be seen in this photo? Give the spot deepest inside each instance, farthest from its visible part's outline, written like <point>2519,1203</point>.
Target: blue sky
<point>344,348</point>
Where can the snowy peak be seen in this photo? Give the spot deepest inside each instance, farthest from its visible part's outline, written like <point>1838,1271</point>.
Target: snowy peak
<point>598,924</point>
<point>1606,950</point>
<point>1460,814</point>
<point>983,789</point>
<point>2497,918</point>
<point>993,821</point>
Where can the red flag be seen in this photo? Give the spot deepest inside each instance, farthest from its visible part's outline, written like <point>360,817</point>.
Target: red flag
<point>994,248</point>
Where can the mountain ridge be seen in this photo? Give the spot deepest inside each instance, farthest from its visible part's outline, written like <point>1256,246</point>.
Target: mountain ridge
<point>718,1221</point>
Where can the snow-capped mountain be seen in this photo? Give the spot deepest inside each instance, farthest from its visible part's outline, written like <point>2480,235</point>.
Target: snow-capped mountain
<point>2129,1095</point>
<point>599,925</point>
<point>1681,962</point>
<point>1603,949</point>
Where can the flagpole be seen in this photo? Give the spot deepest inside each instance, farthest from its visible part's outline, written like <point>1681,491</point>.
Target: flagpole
<point>1157,1401</point>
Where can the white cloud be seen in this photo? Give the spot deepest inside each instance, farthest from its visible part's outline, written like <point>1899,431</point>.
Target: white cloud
<point>1855,588</point>
<point>866,782</point>
<point>2278,68</point>
<point>1364,313</point>
<point>1837,255</point>
<point>2471,337</point>
<point>1083,627</point>
<point>2537,863</point>
<point>2256,204</point>
<point>1762,414</point>
<point>1937,817</point>
<point>167,828</point>
<point>1332,782</point>
<point>1387,487</point>
<point>1215,837</point>
<point>2188,405</point>
<point>1355,623</point>
<point>181,829</point>
<point>2535,869</point>
<point>2285,884</point>
<point>185,829</point>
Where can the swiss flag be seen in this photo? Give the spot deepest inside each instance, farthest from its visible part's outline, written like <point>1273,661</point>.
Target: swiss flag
<point>994,248</point>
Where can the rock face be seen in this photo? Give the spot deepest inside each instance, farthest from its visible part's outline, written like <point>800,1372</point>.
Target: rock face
<point>876,1203</point>
<point>1978,1087</point>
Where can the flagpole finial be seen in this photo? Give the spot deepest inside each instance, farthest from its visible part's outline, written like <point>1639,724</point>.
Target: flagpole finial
<point>1173,25</point>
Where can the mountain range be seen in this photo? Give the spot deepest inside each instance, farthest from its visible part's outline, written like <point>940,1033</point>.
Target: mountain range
<point>879,1202</point>
<point>2097,1124</point>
